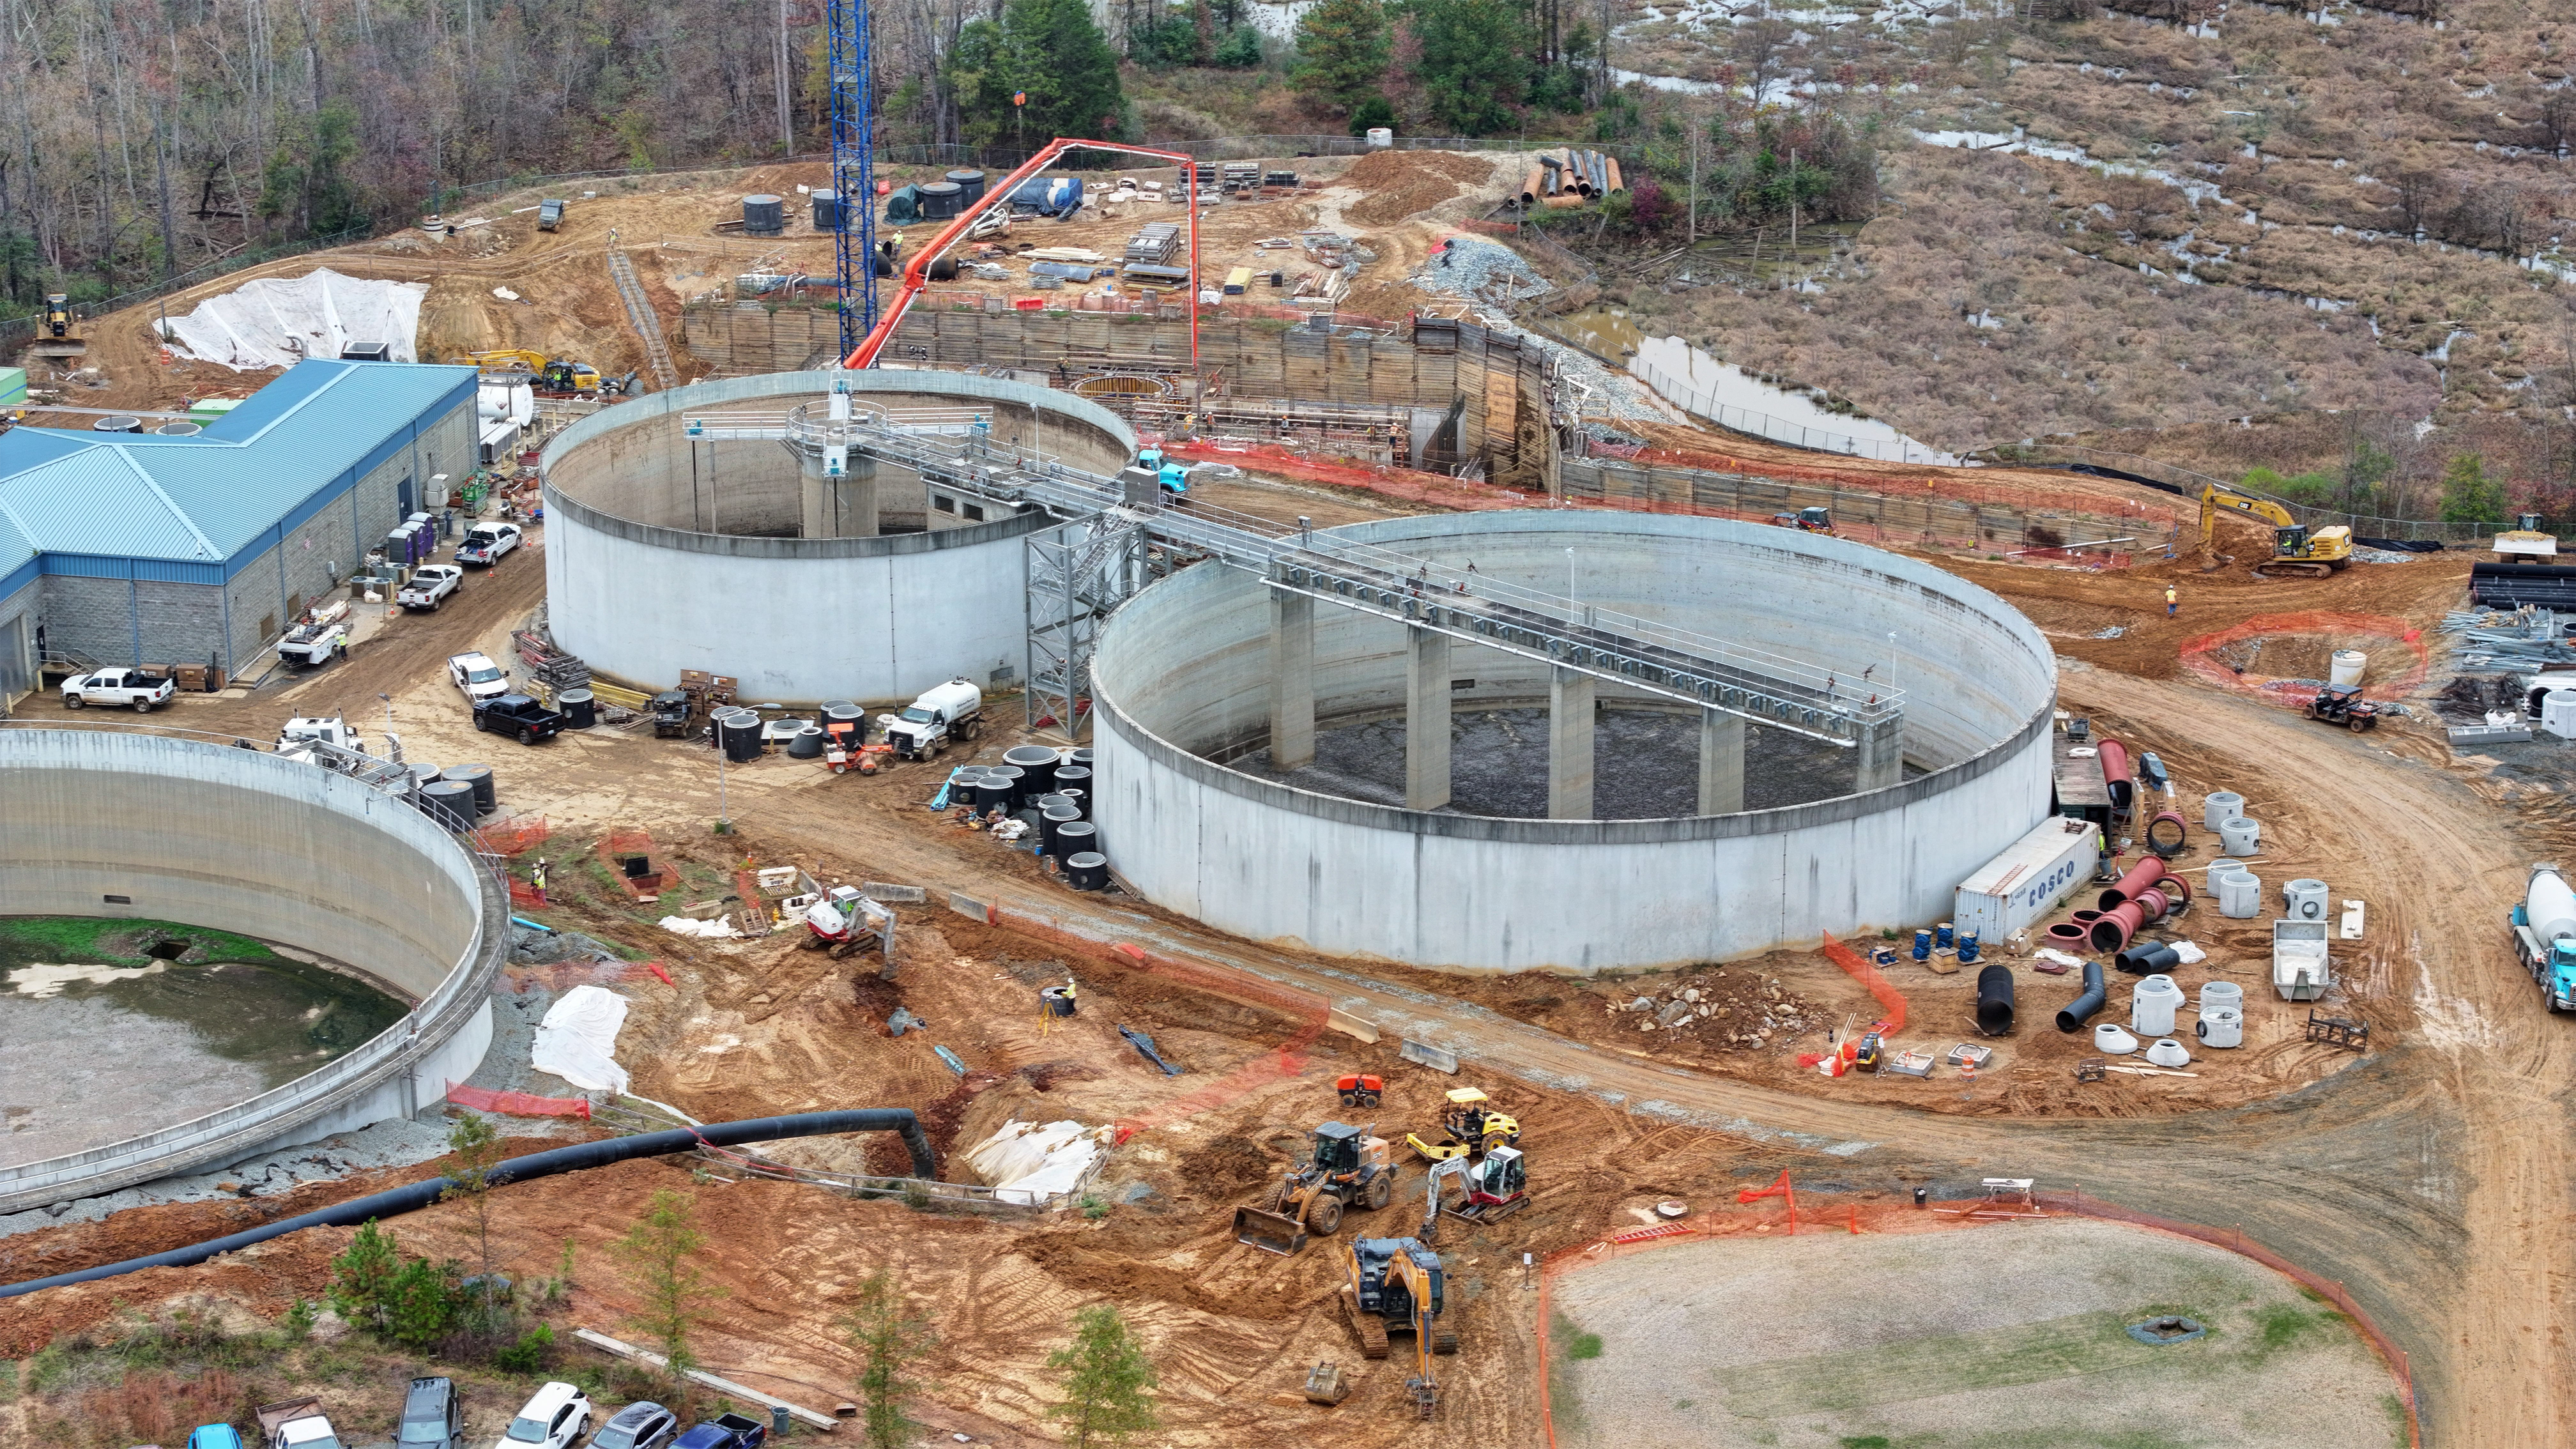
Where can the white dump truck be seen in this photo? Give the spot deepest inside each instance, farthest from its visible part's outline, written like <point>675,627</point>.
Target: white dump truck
<point>136,689</point>
<point>952,713</point>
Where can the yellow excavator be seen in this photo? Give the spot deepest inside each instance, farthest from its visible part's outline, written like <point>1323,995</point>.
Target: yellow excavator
<point>2298,551</point>
<point>1396,1285</point>
<point>552,376</point>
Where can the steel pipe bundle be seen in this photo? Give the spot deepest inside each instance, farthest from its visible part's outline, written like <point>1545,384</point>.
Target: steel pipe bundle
<point>1553,169</point>
<point>2514,585</point>
<point>2083,1008</point>
<point>1529,188</point>
<point>1995,999</point>
<point>1611,165</point>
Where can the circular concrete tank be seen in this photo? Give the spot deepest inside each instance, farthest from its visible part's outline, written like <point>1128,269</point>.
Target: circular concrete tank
<point>148,826</point>
<point>1182,681</point>
<point>666,552</point>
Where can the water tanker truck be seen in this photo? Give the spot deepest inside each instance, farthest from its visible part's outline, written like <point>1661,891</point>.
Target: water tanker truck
<point>2544,936</point>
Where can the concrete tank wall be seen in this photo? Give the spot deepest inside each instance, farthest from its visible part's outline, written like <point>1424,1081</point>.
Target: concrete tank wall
<point>640,592</point>
<point>1183,669</point>
<point>242,841</point>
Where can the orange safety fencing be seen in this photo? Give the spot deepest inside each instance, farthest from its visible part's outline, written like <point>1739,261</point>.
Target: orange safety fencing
<point>2199,655</point>
<point>1867,975</point>
<point>517,1104</point>
<point>517,834</point>
<point>1711,1226</point>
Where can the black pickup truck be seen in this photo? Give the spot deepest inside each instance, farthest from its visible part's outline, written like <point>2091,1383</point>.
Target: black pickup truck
<point>518,715</point>
<point>724,1431</point>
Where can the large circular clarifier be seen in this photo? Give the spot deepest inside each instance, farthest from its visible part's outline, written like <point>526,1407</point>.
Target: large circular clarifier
<point>150,828</point>
<point>704,529</point>
<point>1185,678</point>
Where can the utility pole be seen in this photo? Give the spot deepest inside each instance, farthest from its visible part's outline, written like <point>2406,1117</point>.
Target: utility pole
<point>1793,208</point>
<point>786,122</point>
<point>161,166</point>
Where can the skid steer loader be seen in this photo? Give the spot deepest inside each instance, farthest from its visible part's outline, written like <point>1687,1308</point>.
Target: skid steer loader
<point>1350,1166</point>
<point>1396,1285</point>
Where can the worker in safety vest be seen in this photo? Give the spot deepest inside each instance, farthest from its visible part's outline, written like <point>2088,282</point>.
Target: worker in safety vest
<point>2173,601</point>
<point>537,880</point>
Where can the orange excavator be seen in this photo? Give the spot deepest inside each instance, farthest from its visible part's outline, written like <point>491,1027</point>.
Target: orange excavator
<point>1393,1285</point>
<point>916,274</point>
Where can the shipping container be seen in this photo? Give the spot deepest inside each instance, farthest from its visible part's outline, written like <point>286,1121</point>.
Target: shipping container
<point>2027,882</point>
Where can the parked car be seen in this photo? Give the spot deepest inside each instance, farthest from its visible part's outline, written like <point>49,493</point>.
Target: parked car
<point>111,687</point>
<point>519,716</point>
<point>430,585</point>
<point>433,1416</point>
<point>214,1436</point>
<point>477,676</point>
<point>724,1431</point>
<point>640,1425</point>
<point>553,1419</point>
<point>486,542</point>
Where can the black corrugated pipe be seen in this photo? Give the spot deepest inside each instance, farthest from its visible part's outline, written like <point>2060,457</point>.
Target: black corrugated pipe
<point>1995,999</point>
<point>416,1195</point>
<point>2082,1008</point>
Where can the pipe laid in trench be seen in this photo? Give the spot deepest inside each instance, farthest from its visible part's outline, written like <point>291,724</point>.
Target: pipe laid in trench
<point>412,1196</point>
<point>2083,1008</point>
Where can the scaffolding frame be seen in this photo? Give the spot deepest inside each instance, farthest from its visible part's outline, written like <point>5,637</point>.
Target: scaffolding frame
<point>1078,573</point>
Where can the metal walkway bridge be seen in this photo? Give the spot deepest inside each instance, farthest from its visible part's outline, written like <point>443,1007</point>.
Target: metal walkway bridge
<point>1117,535</point>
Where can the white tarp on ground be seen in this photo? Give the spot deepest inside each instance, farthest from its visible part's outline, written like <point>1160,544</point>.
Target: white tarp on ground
<point>578,1039</point>
<point>281,321</point>
<point>1026,1163</point>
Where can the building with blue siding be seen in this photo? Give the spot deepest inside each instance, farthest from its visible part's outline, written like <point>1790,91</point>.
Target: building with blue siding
<point>133,548</point>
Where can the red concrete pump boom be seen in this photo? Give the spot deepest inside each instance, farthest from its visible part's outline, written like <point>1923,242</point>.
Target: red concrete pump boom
<point>917,271</point>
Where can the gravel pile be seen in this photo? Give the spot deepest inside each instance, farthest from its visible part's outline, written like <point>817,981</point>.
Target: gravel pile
<point>1481,271</point>
<point>1740,1009</point>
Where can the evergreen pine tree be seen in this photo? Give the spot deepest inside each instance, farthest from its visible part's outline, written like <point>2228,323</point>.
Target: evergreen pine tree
<point>1341,52</point>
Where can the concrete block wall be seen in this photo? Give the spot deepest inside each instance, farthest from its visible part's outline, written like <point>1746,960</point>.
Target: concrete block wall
<point>1183,668</point>
<point>19,612</point>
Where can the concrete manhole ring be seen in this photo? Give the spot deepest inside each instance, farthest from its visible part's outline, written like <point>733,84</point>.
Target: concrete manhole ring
<point>2167,1328</point>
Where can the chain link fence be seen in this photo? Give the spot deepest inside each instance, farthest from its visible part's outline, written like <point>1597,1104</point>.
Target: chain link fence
<point>23,329</point>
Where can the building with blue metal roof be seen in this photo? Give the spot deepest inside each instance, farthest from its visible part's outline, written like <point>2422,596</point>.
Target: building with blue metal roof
<point>137,548</point>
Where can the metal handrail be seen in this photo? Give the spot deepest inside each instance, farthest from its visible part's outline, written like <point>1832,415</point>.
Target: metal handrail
<point>462,988</point>
<point>1658,658</point>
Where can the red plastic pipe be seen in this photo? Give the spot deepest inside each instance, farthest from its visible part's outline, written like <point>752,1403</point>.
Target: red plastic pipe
<point>2135,879</point>
<point>2114,759</point>
<point>2117,925</point>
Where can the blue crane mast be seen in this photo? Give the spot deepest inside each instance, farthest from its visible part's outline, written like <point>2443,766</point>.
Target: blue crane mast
<point>854,240</point>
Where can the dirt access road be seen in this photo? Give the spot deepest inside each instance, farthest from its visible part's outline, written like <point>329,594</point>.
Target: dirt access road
<point>2431,1177</point>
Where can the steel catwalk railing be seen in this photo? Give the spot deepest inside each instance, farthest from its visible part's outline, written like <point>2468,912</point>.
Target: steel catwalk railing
<point>458,994</point>
<point>1622,648</point>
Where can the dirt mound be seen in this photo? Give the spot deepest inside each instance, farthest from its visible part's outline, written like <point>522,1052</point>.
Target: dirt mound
<point>1402,184</point>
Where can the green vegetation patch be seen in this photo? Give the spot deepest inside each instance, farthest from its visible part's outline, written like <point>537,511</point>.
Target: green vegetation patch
<point>122,942</point>
<point>1949,1363</point>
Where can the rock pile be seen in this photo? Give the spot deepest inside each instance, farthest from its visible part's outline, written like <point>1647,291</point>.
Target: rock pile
<point>1730,1008</point>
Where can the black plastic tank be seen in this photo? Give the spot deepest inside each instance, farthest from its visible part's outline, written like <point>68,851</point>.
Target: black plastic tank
<point>763,215</point>
<point>840,709</point>
<point>1012,776</point>
<point>1082,758</point>
<point>1051,825</point>
<point>992,791</point>
<point>1087,871</point>
<point>479,779</point>
<point>1079,799</point>
<point>970,187</point>
<point>827,211</point>
<point>939,200</point>
<point>580,708</point>
<point>1073,837</point>
<point>449,802</point>
<point>1037,766</point>
<point>740,732</point>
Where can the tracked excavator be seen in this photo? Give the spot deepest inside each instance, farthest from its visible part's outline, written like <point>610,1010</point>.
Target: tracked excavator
<point>1490,1190</point>
<point>550,376</point>
<point>2298,552</point>
<point>1396,1285</point>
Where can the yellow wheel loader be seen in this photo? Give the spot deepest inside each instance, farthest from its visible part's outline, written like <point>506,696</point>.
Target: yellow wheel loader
<point>1349,1168</point>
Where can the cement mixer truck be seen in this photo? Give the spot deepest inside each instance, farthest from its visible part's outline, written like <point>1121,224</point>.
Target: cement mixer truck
<point>2544,936</point>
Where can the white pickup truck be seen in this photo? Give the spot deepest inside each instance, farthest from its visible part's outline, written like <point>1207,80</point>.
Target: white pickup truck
<point>296,1424</point>
<point>477,676</point>
<point>314,644</point>
<point>429,587</point>
<point>113,687</point>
